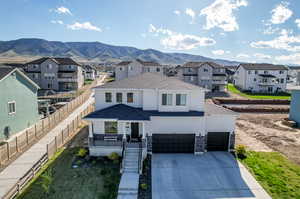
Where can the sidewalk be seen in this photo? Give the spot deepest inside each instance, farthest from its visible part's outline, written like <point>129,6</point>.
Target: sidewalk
<point>17,169</point>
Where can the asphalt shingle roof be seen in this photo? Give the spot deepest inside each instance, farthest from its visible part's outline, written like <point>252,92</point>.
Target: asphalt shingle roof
<point>151,81</point>
<point>263,67</point>
<point>125,112</point>
<point>5,70</point>
<point>144,63</point>
<point>213,109</point>
<point>199,64</point>
<point>58,60</point>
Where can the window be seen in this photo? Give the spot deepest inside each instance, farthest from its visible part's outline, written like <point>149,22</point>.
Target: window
<point>49,85</point>
<point>148,69</point>
<point>108,97</point>
<point>157,69</point>
<point>130,67</point>
<point>11,107</point>
<point>49,66</point>
<point>254,79</point>
<point>119,97</point>
<point>121,68</point>
<point>281,72</point>
<point>70,67</point>
<point>205,70</point>
<point>167,99</point>
<point>265,72</point>
<point>180,99</point>
<point>282,81</point>
<point>256,72</point>
<point>190,70</point>
<point>111,127</point>
<point>129,97</point>
<point>249,72</point>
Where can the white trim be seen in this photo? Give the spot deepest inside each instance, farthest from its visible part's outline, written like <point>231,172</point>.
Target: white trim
<point>15,107</point>
<point>22,74</point>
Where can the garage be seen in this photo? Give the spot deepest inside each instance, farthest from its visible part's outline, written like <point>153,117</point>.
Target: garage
<point>173,143</point>
<point>217,141</point>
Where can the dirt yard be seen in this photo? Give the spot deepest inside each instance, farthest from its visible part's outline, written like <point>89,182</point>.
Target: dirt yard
<point>264,132</point>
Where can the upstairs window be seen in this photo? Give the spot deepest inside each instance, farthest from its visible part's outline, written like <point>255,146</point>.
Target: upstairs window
<point>157,69</point>
<point>167,99</point>
<point>256,72</point>
<point>121,68</point>
<point>111,127</point>
<point>11,107</point>
<point>265,72</point>
<point>49,66</point>
<point>205,70</point>
<point>180,99</point>
<point>108,97</point>
<point>119,97</point>
<point>129,97</point>
<point>281,72</point>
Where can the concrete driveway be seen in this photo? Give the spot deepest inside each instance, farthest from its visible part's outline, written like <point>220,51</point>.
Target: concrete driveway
<point>209,176</point>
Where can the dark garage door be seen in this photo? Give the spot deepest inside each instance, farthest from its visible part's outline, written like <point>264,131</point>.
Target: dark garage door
<point>173,143</point>
<point>217,141</point>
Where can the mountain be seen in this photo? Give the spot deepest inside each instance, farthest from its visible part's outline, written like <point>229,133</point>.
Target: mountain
<point>93,52</point>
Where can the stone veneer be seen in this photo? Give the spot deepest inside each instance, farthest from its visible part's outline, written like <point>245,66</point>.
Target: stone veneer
<point>200,143</point>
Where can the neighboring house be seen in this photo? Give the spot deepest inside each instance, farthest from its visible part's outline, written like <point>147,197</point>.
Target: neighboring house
<point>58,74</point>
<point>295,105</point>
<point>294,75</point>
<point>18,101</point>
<point>164,114</point>
<point>230,71</point>
<point>90,72</point>
<point>127,69</point>
<point>261,78</point>
<point>208,75</point>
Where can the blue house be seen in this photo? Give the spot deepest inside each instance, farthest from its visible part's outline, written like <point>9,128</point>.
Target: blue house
<point>295,105</point>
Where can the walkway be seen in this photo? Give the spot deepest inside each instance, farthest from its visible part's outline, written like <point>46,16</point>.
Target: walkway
<point>17,169</point>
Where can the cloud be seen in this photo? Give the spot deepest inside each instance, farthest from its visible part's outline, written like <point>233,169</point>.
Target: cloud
<point>144,35</point>
<point>242,55</point>
<point>220,14</point>
<point>284,41</point>
<point>177,12</point>
<point>63,10</point>
<point>218,52</point>
<point>190,12</point>
<point>262,56</point>
<point>178,41</point>
<point>84,26</point>
<point>281,13</point>
<point>57,22</point>
<point>293,58</point>
<point>297,21</point>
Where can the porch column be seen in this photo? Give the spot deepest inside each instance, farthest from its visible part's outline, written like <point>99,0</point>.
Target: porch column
<point>144,133</point>
<point>124,131</point>
<point>200,143</point>
<point>91,130</point>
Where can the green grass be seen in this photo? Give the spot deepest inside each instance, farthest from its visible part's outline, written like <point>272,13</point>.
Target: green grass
<point>87,81</point>
<point>282,96</point>
<point>278,176</point>
<point>98,181</point>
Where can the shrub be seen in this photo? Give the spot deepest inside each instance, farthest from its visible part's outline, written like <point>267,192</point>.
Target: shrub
<point>113,156</point>
<point>241,151</point>
<point>46,181</point>
<point>144,186</point>
<point>81,152</point>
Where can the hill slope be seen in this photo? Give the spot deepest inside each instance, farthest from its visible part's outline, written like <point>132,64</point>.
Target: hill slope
<point>93,52</point>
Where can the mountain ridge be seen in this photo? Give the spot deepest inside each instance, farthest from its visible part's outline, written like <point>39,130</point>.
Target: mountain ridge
<point>95,52</point>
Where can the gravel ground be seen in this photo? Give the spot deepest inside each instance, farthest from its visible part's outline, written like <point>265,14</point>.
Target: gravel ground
<point>264,132</point>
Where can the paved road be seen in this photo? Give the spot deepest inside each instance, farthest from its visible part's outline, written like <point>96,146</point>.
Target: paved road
<point>209,176</point>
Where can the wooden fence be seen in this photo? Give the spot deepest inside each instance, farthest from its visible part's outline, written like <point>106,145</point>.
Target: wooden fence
<point>52,147</point>
<point>26,139</point>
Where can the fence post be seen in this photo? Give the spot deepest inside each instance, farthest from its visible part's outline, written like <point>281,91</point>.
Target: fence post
<point>43,126</point>
<point>55,143</point>
<point>17,148</point>
<point>62,136</point>
<point>49,122</point>
<point>27,141</point>
<point>8,151</point>
<point>47,150</point>
<point>35,131</point>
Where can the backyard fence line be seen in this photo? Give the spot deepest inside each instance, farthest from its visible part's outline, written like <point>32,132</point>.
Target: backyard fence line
<point>52,147</point>
<point>22,142</point>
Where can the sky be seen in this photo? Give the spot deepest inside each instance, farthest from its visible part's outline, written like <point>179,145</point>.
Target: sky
<point>240,30</point>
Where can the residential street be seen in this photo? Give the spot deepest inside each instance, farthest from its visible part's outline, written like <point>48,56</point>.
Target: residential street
<point>207,176</point>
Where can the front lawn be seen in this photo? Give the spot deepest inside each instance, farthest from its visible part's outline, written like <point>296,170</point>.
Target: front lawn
<point>278,176</point>
<point>71,178</point>
<point>88,81</point>
<point>282,96</point>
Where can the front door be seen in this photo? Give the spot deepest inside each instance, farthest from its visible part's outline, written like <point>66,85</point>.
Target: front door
<point>134,130</point>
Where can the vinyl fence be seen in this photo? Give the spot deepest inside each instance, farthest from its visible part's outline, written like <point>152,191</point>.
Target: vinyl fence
<point>52,147</point>
<point>22,142</point>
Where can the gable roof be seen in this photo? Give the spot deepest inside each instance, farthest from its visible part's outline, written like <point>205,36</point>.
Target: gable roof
<point>5,71</point>
<point>199,64</point>
<point>263,67</point>
<point>151,81</point>
<point>213,109</point>
<point>58,60</point>
<point>144,63</point>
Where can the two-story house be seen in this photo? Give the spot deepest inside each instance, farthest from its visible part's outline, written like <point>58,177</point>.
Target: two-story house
<point>89,72</point>
<point>164,114</point>
<point>53,73</point>
<point>295,104</point>
<point>127,69</point>
<point>261,78</point>
<point>208,75</point>
<point>18,102</point>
